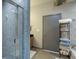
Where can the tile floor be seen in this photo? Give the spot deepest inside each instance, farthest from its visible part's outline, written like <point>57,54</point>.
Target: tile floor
<point>46,55</point>
<point>32,53</point>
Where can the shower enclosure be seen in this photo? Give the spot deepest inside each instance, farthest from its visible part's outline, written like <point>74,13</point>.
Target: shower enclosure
<point>13,30</point>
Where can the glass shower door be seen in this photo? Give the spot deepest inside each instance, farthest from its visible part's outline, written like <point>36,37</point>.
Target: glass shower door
<point>10,32</point>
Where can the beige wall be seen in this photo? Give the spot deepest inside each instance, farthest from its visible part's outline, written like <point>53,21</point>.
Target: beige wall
<point>67,10</point>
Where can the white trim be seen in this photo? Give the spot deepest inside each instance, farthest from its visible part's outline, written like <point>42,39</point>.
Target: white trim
<point>51,51</point>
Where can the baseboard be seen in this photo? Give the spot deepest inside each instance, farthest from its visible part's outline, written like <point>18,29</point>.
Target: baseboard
<point>47,50</point>
<point>51,51</point>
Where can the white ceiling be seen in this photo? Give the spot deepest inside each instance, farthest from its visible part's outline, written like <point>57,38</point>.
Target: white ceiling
<point>39,2</point>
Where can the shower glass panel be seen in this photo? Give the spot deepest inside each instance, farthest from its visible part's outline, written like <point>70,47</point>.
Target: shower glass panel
<point>9,31</point>
<point>20,31</point>
<point>19,2</point>
<point>12,31</point>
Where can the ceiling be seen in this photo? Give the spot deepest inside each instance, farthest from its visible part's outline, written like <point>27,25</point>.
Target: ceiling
<point>39,2</point>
